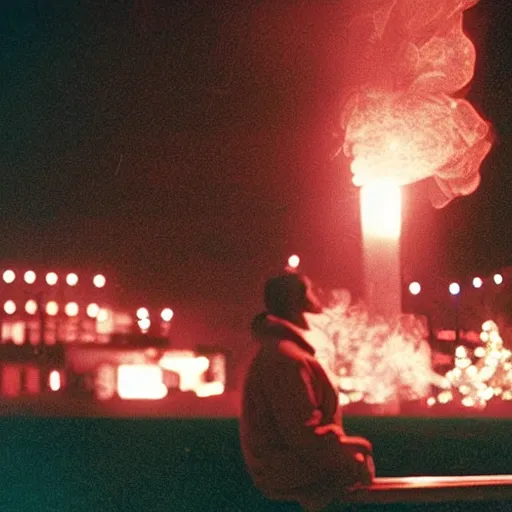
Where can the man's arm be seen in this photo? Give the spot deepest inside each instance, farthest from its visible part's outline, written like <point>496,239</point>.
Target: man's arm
<point>297,412</point>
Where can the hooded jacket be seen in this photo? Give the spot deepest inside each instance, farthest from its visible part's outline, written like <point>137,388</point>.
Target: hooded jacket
<point>286,395</point>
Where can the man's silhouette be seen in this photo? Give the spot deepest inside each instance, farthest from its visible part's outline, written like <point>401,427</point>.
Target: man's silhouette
<point>291,432</point>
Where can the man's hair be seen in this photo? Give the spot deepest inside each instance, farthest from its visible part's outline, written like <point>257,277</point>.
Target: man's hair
<point>282,293</point>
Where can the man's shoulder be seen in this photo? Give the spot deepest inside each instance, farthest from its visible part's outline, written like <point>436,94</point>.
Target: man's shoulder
<point>289,350</point>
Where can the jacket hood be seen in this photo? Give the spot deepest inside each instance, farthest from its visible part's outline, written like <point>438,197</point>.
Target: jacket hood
<point>268,328</point>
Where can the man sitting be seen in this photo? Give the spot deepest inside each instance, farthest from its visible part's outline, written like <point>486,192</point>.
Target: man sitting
<point>291,433</point>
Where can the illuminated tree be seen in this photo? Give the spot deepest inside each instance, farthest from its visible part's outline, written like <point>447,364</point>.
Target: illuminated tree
<point>479,376</point>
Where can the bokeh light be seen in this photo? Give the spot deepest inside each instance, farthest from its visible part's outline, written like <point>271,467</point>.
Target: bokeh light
<point>167,314</point>
<point>9,307</point>
<point>71,309</point>
<point>498,279</point>
<point>92,310</point>
<point>72,279</point>
<point>414,288</point>
<point>99,281</point>
<point>454,288</point>
<point>51,278</point>
<point>52,308</point>
<point>294,261</point>
<point>477,282</point>
<point>9,276</point>
<point>31,307</point>
<point>29,277</point>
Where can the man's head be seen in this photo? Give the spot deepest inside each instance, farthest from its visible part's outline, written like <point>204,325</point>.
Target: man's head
<point>290,295</point>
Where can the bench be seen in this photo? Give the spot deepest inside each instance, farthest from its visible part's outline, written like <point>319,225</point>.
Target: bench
<point>434,489</point>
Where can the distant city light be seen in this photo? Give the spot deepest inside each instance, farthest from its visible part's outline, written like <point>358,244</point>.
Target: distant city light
<point>477,282</point>
<point>142,313</point>
<point>72,279</point>
<point>51,278</point>
<point>31,307</point>
<point>167,314</point>
<point>140,381</point>
<point>10,307</point>
<point>454,288</point>
<point>144,324</point>
<point>103,315</point>
<point>52,308</point>
<point>54,380</point>
<point>9,276</point>
<point>29,277</point>
<point>71,309</point>
<point>294,261</point>
<point>99,281</point>
<point>498,279</point>
<point>415,288</point>
<point>93,310</point>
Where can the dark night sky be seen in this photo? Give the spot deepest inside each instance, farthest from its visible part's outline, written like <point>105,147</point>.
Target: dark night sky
<point>188,147</point>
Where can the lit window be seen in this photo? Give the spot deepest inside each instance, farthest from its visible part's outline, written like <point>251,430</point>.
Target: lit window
<point>10,307</point>
<point>9,276</point>
<point>71,309</point>
<point>51,278</point>
<point>29,277</point>
<point>99,281</point>
<point>54,380</point>
<point>72,279</point>
<point>31,307</point>
<point>52,308</point>
<point>143,382</point>
<point>93,310</point>
<point>167,314</point>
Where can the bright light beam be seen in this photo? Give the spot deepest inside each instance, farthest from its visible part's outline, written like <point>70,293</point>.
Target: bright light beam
<point>381,222</point>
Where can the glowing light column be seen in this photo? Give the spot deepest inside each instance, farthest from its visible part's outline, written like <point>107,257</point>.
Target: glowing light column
<point>381,223</point>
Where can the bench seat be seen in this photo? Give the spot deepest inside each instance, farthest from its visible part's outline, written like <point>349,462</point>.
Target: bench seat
<point>434,489</point>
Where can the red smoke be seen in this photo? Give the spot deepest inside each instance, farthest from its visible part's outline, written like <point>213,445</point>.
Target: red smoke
<point>406,120</point>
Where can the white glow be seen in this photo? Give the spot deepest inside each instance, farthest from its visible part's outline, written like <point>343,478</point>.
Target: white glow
<point>72,279</point>
<point>140,381</point>
<point>10,307</point>
<point>93,310</point>
<point>210,389</point>
<point>144,324</point>
<point>498,279</point>
<point>294,261</point>
<point>31,307</point>
<point>142,313</point>
<point>51,278</point>
<point>9,276</point>
<point>71,309</point>
<point>477,282</point>
<point>414,288</point>
<point>167,314</point>
<point>54,380</point>
<point>52,308</point>
<point>381,210</point>
<point>190,370</point>
<point>103,315</point>
<point>454,288</point>
<point>29,277</point>
<point>99,281</point>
